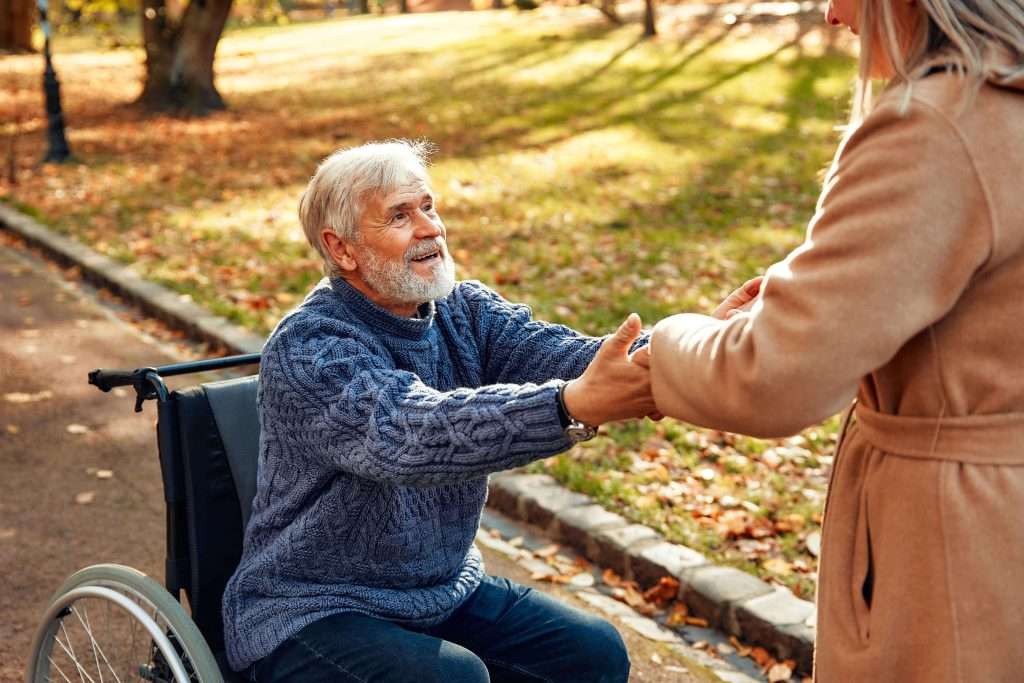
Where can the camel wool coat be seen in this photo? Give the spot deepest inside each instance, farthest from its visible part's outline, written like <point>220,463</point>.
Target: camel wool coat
<point>908,295</point>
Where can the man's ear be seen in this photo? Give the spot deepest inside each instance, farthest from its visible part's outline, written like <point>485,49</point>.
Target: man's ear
<point>338,249</point>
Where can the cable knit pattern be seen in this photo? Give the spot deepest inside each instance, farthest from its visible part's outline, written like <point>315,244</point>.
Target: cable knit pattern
<point>378,433</point>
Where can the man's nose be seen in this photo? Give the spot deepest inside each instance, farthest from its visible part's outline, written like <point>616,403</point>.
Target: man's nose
<point>426,226</point>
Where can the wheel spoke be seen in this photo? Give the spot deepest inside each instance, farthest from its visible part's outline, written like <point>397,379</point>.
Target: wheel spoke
<point>82,673</point>
<point>96,648</point>
<point>83,619</point>
<point>165,645</point>
<point>62,674</point>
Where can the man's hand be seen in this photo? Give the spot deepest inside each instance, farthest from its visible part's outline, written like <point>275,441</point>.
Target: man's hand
<point>613,387</point>
<point>740,300</point>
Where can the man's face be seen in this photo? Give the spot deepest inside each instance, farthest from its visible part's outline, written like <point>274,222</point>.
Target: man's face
<point>402,257</point>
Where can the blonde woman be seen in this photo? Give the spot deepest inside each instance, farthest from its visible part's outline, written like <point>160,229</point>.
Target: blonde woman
<point>908,294</point>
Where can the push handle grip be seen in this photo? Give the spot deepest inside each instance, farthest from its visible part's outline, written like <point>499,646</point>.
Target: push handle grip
<point>105,380</point>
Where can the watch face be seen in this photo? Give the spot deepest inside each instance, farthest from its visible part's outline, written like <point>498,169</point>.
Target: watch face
<point>577,431</point>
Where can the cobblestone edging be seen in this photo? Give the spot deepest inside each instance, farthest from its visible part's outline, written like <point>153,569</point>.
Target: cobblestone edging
<point>174,309</point>
<point>731,600</point>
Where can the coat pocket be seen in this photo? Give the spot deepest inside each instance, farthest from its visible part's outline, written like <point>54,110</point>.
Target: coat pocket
<point>862,575</point>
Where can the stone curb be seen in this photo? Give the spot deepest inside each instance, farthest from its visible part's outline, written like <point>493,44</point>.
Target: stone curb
<point>729,599</point>
<point>174,309</point>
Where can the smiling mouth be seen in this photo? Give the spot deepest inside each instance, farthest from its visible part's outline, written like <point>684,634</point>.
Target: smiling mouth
<point>428,257</point>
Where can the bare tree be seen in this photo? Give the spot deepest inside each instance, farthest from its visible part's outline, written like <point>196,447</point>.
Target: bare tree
<point>179,55</point>
<point>609,10</point>
<point>650,18</point>
<point>16,19</point>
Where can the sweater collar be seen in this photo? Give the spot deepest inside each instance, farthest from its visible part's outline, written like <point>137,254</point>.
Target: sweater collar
<point>380,318</point>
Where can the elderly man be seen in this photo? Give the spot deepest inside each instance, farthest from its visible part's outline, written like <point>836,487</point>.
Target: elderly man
<point>385,400</point>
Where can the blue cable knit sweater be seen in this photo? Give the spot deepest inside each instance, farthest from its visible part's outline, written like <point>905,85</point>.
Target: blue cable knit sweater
<point>378,433</point>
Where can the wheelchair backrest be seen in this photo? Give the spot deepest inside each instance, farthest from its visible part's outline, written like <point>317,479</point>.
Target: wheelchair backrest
<point>219,445</point>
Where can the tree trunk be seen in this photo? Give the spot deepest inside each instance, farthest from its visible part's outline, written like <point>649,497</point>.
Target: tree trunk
<point>497,4</point>
<point>403,6</point>
<point>609,10</point>
<point>650,19</point>
<point>16,20</point>
<point>179,56</point>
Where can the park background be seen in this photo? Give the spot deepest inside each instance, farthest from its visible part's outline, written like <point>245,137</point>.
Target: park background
<point>591,161</point>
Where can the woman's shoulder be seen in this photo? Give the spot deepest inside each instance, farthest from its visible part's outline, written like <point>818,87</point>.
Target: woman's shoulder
<point>945,99</point>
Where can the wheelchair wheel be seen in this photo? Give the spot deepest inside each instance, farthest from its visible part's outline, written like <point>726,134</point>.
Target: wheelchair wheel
<point>113,623</point>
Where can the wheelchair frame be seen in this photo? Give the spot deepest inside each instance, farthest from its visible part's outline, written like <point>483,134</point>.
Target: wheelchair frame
<point>127,588</point>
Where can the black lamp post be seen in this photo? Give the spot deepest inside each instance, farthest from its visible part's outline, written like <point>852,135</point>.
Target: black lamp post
<point>58,151</point>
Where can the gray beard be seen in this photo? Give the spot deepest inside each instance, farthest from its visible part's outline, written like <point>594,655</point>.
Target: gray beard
<point>398,282</point>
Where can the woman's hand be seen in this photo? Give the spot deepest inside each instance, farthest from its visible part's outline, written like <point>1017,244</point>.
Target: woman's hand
<point>740,300</point>
<point>613,387</point>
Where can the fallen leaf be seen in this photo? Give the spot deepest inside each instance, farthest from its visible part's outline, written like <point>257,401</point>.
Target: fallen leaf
<point>20,397</point>
<point>85,497</point>
<point>741,649</point>
<point>664,591</point>
<point>77,429</point>
<point>813,543</point>
<point>777,565</point>
<point>7,533</point>
<point>610,578</point>
<point>761,656</point>
<point>12,429</point>
<point>779,673</point>
<point>677,616</point>
<point>104,474</point>
<point>697,621</point>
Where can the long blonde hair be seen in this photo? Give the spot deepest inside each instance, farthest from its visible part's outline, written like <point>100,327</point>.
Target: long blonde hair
<point>963,33</point>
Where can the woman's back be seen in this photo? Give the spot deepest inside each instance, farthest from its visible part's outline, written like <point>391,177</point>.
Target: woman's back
<point>968,361</point>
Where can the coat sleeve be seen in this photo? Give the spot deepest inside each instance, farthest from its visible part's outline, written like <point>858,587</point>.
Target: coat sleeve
<point>901,227</point>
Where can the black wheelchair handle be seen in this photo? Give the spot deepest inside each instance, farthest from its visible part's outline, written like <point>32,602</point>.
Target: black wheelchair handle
<point>105,380</point>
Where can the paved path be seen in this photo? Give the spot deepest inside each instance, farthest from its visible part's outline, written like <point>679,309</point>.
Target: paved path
<point>63,442</point>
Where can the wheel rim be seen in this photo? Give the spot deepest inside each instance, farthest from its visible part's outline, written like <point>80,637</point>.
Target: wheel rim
<point>96,634</point>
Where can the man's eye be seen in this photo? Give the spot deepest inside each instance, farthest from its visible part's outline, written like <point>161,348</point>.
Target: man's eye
<point>429,208</point>
<point>398,217</point>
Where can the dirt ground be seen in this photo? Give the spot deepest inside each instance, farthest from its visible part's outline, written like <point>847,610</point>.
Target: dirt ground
<point>57,432</point>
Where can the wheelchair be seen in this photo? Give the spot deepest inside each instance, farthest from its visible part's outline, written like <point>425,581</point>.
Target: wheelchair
<point>112,623</point>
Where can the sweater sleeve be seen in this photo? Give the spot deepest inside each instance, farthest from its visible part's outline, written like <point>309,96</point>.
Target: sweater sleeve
<point>342,401</point>
<point>516,348</point>
<point>901,227</point>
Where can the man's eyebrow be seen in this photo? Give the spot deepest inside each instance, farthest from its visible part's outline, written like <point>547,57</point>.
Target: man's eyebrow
<point>408,203</point>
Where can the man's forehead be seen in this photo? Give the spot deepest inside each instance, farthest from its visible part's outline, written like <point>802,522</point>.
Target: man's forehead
<point>411,190</point>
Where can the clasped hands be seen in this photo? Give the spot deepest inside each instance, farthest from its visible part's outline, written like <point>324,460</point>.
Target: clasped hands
<point>617,384</point>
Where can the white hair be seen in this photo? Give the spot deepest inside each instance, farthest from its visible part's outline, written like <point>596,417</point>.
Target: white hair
<point>336,195</point>
<point>978,39</point>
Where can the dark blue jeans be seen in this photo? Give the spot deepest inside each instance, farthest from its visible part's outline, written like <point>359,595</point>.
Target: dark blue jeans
<point>504,632</point>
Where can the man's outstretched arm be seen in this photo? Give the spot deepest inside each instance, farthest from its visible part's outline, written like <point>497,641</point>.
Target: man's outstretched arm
<point>332,398</point>
<point>516,348</point>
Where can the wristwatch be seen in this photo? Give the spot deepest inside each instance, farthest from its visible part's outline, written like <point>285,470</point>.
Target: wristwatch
<point>575,430</point>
